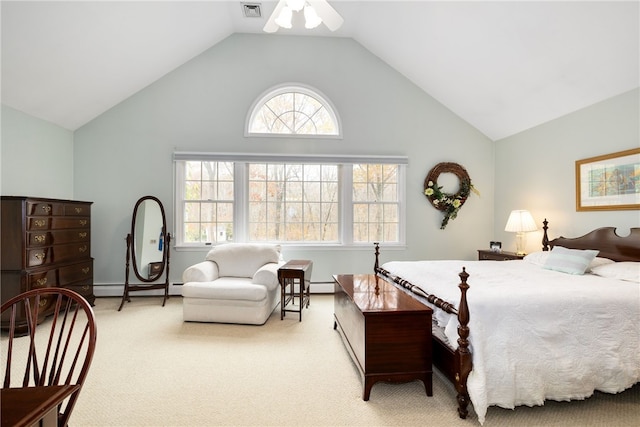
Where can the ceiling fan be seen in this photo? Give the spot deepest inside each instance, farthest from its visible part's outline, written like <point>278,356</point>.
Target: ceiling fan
<point>315,12</point>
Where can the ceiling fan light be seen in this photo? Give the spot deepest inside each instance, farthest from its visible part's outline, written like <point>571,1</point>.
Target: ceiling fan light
<point>296,5</point>
<point>311,18</point>
<point>284,19</point>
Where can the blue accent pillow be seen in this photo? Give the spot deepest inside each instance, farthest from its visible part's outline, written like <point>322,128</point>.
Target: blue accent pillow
<point>571,261</point>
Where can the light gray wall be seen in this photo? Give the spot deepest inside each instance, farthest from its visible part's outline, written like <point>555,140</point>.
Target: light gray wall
<point>126,153</point>
<point>37,157</point>
<point>535,169</point>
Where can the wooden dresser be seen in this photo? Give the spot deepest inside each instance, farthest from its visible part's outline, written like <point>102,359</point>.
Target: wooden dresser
<point>386,331</point>
<point>45,243</point>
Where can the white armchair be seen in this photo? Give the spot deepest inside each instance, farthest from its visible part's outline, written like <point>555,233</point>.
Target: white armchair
<point>237,283</point>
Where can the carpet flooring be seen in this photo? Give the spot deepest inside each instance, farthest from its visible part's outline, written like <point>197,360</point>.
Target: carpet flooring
<point>153,369</point>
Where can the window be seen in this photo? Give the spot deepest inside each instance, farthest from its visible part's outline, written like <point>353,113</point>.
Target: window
<point>293,202</point>
<point>376,216</point>
<point>208,201</point>
<point>294,111</point>
<point>308,200</point>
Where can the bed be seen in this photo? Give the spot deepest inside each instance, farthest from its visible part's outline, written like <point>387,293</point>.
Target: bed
<point>520,332</point>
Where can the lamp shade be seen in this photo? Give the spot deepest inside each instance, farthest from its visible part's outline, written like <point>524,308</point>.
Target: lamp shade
<point>520,221</point>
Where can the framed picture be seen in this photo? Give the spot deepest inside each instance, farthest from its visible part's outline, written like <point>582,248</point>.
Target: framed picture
<point>495,246</point>
<point>609,182</point>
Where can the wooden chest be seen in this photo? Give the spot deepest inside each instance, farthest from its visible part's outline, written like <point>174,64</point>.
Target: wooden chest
<point>386,332</point>
<point>45,243</point>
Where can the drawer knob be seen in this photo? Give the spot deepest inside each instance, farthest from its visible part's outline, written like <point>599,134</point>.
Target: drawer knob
<point>78,210</point>
<point>40,222</point>
<point>83,222</point>
<point>82,249</point>
<point>40,238</point>
<point>39,256</point>
<point>86,270</point>
<point>82,235</point>
<point>46,209</point>
<point>41,282</point>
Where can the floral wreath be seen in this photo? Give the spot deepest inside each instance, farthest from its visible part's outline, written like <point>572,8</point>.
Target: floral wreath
<point>450,204</point>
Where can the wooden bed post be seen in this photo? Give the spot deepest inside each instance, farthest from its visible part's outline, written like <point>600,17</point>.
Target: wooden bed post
<point>545,236</point>
<point>463,355</point>
<point>376,264</point>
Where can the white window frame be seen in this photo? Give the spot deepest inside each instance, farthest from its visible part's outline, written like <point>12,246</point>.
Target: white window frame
<point>287,88</point>
<point>241,193</point>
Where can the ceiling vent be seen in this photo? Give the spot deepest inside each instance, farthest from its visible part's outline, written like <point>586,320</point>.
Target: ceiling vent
<point>251,10</point>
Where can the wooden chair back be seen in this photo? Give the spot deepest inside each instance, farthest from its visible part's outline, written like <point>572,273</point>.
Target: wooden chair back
<point>58,346</point>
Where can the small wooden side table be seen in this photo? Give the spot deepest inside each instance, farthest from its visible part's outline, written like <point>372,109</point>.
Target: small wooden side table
<point>295,272</point>
<point>488,255</point>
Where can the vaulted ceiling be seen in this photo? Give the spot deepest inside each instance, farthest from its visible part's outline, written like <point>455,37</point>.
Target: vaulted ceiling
<point>502,66</point>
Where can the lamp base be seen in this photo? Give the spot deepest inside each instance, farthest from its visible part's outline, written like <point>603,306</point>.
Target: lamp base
<point>521,243</point>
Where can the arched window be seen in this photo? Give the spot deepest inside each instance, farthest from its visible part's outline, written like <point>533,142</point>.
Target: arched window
<point>293,110</point>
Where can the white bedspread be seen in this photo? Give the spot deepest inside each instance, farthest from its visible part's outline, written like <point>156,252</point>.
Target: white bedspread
<point>537,334</point>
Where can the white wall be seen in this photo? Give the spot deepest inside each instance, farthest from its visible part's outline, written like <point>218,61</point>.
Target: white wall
<point>535,169</point>
<point>37,157</point>
<point>126,153</point>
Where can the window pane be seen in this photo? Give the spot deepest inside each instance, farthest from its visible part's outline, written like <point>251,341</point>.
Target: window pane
<point>192,190</point>
<point>292,110</point>
<point>312,191</point>
<point>295,202</point>
<point>193,170</point>
<point>375,203</point>
<point>360,192</point>
<point>192,212</point>
<point>209,190</point>
<point>225,191</point>
<point>209,217</point>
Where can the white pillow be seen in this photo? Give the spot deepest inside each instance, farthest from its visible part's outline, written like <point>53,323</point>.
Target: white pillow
<point>540,258</point>
<point>537,258</point>
<point>627,270</point>
<point>571,261</point>
<point>598,261</point>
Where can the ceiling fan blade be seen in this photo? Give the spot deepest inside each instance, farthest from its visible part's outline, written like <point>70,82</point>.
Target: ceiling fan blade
<point>271,26</point>
<point>327,13</point>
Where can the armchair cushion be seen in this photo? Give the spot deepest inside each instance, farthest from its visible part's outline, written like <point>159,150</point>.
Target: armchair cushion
<point>226,288</point>
<point>267,275</point>
<point>205,271</point>
<point>242,260</point>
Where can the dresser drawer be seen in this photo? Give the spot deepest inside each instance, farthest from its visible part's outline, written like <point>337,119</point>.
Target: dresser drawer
<point>44,208</point>
<point>84,289</point>
<point>38,257</point>
<point>486,255</point>
<point>47,238</point>
<point>77,209</point>
<point>43,279</point>
<point>57,223</point>
<point>76,273</point>
<point>59,253</point>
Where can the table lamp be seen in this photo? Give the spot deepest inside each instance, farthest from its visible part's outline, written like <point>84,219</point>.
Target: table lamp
<point>520,222</point>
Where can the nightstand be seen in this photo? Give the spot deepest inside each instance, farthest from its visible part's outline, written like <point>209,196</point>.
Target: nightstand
<point>487,255</point>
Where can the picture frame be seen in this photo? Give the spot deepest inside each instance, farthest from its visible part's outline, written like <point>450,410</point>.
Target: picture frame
<point>609,182</point>
<point>495,246</point>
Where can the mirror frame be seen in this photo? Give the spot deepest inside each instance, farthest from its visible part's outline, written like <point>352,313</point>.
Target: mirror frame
<point>134,260</point>
<point>146,282</point>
